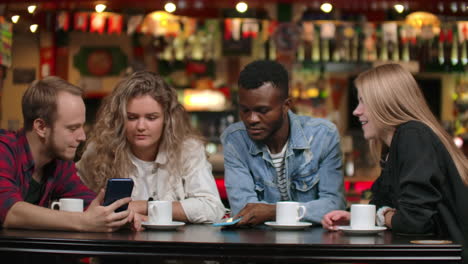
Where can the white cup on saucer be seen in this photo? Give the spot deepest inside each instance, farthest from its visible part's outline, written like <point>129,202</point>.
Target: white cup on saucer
<point>288,213</point>
<point>160,212</point>
<point>362,216</point>
<point>69,205</point>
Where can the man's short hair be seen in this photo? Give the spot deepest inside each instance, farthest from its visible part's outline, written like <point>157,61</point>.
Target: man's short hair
<point>260,72</point>
<point>40,99</point>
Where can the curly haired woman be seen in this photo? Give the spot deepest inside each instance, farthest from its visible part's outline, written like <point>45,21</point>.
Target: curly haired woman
<point>142,132</point>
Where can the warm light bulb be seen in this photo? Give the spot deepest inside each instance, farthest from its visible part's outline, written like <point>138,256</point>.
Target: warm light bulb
<point>100,8</point>
<point>399,8</point>
<point>170,7</point>
<point>326,7</point>
<point>458,142</point>
<point>31,9</point>
<point>241,7</point>
<point>33,28</point>
<point>15,19</point>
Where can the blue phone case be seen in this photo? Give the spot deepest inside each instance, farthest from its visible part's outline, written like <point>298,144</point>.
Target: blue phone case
<point>118,188</point>
<point>228,223</point>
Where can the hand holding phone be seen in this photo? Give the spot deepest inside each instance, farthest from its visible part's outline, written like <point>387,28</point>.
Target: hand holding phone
<point>116,189</point>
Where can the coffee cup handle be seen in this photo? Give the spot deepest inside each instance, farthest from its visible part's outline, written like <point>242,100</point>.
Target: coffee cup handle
<point>304,210</point>
<point>54,204</point>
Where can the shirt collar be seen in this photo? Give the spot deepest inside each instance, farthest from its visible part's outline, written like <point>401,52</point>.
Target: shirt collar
<point>23,141</point>
<point>161,158</point>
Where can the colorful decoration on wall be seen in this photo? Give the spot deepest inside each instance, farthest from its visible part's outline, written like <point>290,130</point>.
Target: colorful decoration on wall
<point>6,39</point>
<point>100,61</point>
<point>98,22</point>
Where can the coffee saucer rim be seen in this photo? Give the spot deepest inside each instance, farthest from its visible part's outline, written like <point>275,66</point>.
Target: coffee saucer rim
<point>298,224</point>
<point>172,224</point>
<point>375,228</point>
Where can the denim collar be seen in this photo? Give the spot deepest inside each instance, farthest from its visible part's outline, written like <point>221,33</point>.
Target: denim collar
<point>297,138</point>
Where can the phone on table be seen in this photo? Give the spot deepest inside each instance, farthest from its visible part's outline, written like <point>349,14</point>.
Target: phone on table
<point>116,189</point>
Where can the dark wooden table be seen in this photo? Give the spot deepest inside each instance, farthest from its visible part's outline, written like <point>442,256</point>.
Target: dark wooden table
<point>213,243</point>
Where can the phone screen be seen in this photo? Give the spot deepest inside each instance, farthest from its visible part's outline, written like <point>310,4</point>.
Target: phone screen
<point>118,188</point>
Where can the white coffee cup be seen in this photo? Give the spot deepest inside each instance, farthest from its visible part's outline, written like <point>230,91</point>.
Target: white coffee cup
<point>160,212</point>
<point>287,213</point>
<point>362,216</point>
<point>69,204</point>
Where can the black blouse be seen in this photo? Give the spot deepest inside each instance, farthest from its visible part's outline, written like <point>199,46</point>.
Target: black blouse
<point>421,181</point>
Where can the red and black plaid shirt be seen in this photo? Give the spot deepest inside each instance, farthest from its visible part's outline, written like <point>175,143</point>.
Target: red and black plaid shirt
<point>16,170</point>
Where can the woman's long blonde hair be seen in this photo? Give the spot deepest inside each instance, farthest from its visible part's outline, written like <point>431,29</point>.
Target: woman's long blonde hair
<point>110,150</point>
<point>392,97</point>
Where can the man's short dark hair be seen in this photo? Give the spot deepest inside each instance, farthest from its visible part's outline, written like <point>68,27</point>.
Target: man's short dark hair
<point>259,72</point>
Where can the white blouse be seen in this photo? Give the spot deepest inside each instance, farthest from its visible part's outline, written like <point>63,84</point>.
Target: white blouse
<point>195,189</point>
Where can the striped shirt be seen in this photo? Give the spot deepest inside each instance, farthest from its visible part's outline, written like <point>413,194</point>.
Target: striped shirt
<point>278,161</point>
<point>16,170</point>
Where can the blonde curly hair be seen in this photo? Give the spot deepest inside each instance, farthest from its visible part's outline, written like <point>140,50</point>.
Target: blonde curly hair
<point>109,157</point>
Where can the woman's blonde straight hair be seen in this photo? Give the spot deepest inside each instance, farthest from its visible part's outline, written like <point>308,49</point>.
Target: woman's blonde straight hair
<point>392,97</point>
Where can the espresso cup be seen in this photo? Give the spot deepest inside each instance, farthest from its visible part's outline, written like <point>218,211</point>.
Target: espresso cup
<point>160,212</point>
<point>69,205</point>
<point>287,213</point>
<point>362,216</point>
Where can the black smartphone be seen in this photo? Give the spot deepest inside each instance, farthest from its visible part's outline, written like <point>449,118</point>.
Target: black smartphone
<point>118,188</point>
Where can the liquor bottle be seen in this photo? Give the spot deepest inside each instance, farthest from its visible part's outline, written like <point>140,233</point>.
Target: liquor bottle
<point>441,57</point>
<point>355,48</point>
<point>300,54</point>
<point>325,50</point>
<point>272,50</point>
<point>454,52</point>
<point>316,47</point>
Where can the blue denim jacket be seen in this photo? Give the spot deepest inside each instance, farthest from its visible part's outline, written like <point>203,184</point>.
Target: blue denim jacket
<point>313,167</point>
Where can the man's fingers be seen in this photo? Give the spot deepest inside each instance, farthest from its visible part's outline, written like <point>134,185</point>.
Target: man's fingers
<point>99,198</point>
<point>119,203</point>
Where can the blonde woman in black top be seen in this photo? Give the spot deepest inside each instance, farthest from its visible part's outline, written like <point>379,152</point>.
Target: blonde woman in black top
<point>423,185</point>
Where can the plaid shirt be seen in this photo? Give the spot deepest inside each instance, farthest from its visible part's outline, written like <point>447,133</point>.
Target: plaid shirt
<point>16,170</point>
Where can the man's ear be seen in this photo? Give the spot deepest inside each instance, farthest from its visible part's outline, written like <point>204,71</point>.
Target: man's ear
<point>287,104</point>
<point>40,127</point>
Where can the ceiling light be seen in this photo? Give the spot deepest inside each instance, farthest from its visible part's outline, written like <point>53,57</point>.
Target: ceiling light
<point>31,9</point>
<point>241,7</point>
<point>15,19</point>
<point>198,5</point>
<point>100,8</point>
<point>33,28</point>
<point>326,7</point>
<point>170,7</point>
<point>399,8</point>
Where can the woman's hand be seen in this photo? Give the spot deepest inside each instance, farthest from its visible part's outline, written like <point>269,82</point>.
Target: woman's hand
<point>388,215</point>
<point>333,219</point>
<point>137,220</point>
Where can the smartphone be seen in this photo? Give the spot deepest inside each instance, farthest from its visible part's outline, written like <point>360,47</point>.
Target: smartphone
<point>118,188</point>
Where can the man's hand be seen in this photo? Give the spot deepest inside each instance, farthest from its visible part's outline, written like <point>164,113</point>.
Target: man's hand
<point>99,218</point>
<point>256,213</point>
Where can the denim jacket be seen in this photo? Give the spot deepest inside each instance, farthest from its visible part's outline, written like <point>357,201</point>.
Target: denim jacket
<point>313,167</point>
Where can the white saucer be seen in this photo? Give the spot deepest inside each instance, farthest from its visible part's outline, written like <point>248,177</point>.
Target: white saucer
<point>173,225</point>
<point>297,226</point>
<point>374,230</point>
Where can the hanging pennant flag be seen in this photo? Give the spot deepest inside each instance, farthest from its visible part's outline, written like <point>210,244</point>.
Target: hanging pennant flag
<point>114,24</point>
<point>236,28</point>
<point>249,28</point>
<point>133,23</point>
<point>63,21</point>
<point>227,28</point>
<point>190,26</point>
<point>81,21</point>
<point>98,22</point>
<point>308,31</point>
